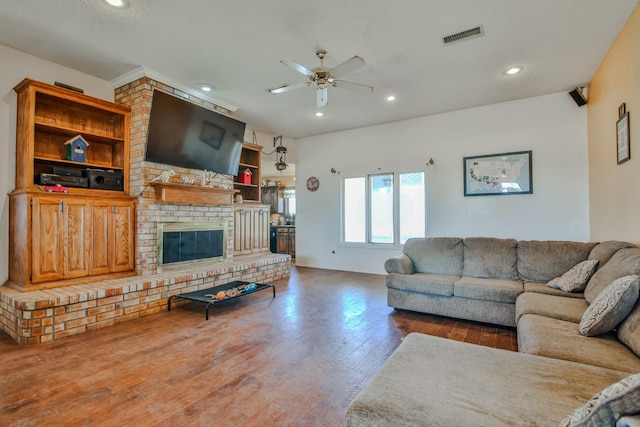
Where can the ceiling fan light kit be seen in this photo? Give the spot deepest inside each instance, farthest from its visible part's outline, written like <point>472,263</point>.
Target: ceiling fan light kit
<point>324,77</point>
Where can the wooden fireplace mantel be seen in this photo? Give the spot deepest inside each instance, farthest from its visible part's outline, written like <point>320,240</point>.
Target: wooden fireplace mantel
<point>170,192</point>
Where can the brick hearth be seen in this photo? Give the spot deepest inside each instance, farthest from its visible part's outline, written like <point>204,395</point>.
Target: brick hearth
<point>43,316</point>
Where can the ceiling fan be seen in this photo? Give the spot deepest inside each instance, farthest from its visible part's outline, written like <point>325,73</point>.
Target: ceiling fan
<point>324,77</point>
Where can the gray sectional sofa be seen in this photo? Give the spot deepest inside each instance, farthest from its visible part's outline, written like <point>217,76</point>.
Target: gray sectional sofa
<point>430,381</point>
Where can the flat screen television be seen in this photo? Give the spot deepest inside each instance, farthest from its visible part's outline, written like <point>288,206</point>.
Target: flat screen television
<point>186,135</point>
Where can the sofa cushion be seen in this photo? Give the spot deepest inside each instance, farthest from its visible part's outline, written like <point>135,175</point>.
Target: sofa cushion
<point>560,339</point>
<point>542,288</point>
<point>433,284</point>
<point>629,421</point>
<point>629,330</point>
<point>610,307</point>
<point>556,307</point>
<point>575,280</point>
<point>488,289</point>
<point>490,258</point>
<point>603,251</point>
<point>432,381</point>
<point>436,255</point>
<point>541,261</point>
<point>606,407</point>
<point>625,262</point>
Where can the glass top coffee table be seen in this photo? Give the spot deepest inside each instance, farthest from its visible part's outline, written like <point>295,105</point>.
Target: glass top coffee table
<point>220,293</point>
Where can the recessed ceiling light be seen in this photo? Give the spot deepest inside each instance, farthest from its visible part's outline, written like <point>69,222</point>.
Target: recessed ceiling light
<point>120,4</point>
<point>513,70</point>
<point>318,114</point>
<point>390,98</point>
<point>206,87</point>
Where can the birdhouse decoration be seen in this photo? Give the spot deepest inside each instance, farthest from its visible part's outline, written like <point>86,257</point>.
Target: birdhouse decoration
<point>77,149</point>
<point>246,176</point>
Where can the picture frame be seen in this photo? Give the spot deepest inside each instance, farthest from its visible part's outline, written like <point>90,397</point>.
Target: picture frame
<point>498,174</point>
<point>623,146</point>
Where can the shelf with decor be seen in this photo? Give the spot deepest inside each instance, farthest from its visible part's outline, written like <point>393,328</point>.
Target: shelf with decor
<point>50,116</point>
<point>85,233</point>
<point>249,186</point>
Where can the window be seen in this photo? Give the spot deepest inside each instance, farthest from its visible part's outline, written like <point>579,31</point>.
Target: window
<point>289,201</point>
<point>383,208</point>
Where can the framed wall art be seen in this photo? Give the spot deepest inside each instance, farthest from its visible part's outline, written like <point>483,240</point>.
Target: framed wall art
<point>498,174</point>
<point>623,139</point>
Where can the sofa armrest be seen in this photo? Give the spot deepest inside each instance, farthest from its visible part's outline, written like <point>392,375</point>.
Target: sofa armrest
<point>629,421</point>
<point>400,264</point>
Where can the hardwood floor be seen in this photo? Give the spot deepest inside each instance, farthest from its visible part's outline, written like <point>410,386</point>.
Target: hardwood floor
<point>294,360</point>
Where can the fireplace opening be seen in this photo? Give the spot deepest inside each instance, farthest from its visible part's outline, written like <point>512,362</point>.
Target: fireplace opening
<point>182,243</point>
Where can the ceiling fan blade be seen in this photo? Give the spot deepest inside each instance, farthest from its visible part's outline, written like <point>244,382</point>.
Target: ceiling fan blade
<point>347,66</point>
<point>354,87</point>
<point>287,87</point>
<point>297,67</point>
<point>321,96</point>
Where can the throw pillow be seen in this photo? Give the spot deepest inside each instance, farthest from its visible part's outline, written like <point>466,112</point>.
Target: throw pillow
<point>575,280</point>
<point>606,407</point>
<point>610,307</point>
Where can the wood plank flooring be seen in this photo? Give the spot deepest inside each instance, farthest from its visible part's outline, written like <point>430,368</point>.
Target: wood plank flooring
<point>294,360</point>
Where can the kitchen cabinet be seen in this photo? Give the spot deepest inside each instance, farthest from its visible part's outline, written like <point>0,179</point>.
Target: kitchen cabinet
<point>286,240</point>
<point>271,196</point>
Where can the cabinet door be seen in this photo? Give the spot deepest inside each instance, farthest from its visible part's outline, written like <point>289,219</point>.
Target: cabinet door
<point>256,229</point>
<point>61,235</point>
<point>291,243</point>
<point>237,230</point>
<point>270,197</point>
<point>47,240</point>
<point>264,230</point>
<point>76,215</point>
<point>259,229</point>
<point>283,240</point>
<point>122,237</point>
<point>242,233</point>
<point>100,218</point>
<point>247,230</point>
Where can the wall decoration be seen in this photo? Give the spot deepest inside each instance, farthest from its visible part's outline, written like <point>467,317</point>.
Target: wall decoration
<point>498,174</point>
<point>623,139</point>
<point>76,149</point>
<point>313,183</point>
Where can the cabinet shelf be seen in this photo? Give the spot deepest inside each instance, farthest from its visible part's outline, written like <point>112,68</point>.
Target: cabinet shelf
<point>71,132</point>
<point>241,184</point>
<point>51,161</point>
<point>249,159</point>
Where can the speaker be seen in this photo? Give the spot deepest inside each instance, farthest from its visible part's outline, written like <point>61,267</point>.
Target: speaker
<point>578,96</point>
<point>105,179</point>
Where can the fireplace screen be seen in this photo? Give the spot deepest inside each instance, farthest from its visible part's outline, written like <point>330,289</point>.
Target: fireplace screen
<point>184,242</point>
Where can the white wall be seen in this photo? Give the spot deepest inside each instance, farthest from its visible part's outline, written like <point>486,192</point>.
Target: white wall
<point>552,126</point>
<point>15,67</point>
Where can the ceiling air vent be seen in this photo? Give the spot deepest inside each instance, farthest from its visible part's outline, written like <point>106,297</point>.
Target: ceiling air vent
<point>464,35</point>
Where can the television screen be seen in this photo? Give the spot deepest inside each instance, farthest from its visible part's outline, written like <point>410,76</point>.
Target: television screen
<point>186,135</point>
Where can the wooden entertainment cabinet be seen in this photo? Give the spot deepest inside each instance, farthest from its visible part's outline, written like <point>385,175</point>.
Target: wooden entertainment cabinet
<point>82,235</point>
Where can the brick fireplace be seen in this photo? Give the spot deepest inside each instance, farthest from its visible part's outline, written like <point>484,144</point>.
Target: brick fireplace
<point>47,315</point>
<point>182,244</point>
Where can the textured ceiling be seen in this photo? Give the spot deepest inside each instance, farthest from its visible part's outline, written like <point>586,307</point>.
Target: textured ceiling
<point>237,46</point>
